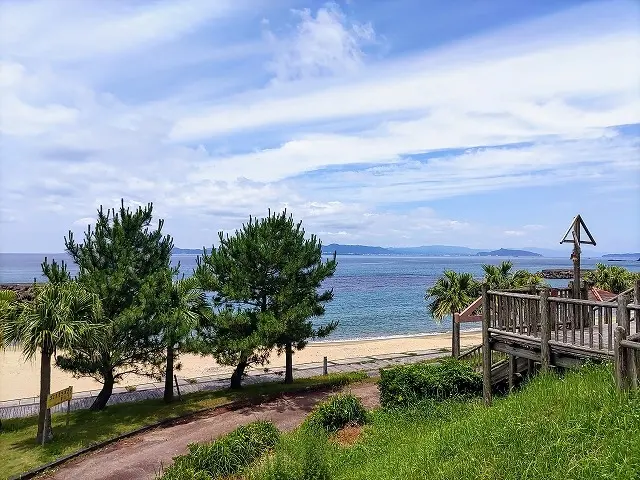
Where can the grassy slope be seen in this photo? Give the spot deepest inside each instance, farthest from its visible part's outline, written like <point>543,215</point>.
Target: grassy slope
<point>576,427</point>
<point>18,451</point>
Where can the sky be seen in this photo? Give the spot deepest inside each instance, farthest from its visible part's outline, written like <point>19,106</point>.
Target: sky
<point>482,123</point>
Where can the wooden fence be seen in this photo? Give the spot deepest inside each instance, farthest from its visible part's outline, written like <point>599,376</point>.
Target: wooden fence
<point>560,331</point>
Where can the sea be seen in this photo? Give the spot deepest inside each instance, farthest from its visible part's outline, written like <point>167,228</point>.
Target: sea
<point>375,296</point>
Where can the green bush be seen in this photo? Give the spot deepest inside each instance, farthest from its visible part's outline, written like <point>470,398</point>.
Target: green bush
<point>300,456</point>
<point>227,455</point>
<point>407,384</point>
<point>337,412</point>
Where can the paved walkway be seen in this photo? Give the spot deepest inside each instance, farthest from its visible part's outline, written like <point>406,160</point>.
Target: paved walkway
<point>83,400</point>
<point>141,456</point>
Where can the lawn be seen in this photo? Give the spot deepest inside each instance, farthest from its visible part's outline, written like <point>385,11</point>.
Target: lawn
<point>572,427</point>
<point>19,452</point>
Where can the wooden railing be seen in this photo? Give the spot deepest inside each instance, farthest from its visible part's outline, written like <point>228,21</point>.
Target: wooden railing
<point>553,330</point>
<point>627,355</point>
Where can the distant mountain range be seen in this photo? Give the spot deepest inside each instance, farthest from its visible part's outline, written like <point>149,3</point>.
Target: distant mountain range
<point>506,252</point>
<point>426,250</point>
<point>623,256</point>
<point>445,251</point>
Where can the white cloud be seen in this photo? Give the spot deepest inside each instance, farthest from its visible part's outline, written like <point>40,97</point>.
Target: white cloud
<point>72,30</point>
<point>88,145</point>
<point>322,45</point>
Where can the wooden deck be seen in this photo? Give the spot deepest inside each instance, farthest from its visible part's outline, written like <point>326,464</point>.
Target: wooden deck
<point>555,331</point>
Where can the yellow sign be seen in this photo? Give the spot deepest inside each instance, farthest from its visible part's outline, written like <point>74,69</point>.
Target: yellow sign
<point>59,397</point>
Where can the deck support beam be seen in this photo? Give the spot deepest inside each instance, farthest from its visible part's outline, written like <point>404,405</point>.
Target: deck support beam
<point>486,346</point>
<point>545,327</point>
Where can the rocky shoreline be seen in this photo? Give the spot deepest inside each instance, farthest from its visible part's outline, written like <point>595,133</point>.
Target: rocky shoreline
<point>560,273</point>
<point>24,291</point>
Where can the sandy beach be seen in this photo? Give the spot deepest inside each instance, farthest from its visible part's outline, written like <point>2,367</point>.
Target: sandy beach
<point>20,378</point>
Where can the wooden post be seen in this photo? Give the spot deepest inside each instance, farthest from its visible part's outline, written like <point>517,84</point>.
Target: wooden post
<point>512,371</point>
<point>486,346</point>
<point>619,358</point>
<point>636,293</point>
<point>68,412</point>
<point>325,370</point>
<point>576,258</point>
<point>545,330</point>
<point>175,378</point>
<point>622,313</point>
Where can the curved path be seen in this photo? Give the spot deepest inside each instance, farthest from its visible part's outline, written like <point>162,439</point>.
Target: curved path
<point>141,456</point>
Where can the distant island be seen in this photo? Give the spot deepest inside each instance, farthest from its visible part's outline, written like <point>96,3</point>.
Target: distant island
<point>505,252</point>
<point>443,251</point>
<point>187,251</point>
<point>622,256</point>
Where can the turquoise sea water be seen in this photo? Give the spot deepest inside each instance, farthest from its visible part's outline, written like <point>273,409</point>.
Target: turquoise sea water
<point>374,296</point>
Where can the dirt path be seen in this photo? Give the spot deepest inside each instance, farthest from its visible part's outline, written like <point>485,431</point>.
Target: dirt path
<point>140,456</point>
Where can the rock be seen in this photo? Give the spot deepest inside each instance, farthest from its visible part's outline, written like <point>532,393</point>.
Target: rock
<point>24,291</point>
<point>560,273</point>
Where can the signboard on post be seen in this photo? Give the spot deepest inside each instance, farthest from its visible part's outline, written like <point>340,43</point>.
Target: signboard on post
<point>59,397</point>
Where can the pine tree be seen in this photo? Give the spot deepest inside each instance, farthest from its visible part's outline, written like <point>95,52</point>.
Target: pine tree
<point>123,260</point>
<point>266,278</point>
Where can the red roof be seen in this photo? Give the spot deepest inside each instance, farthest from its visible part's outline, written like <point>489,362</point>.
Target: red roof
<point>600,295</point>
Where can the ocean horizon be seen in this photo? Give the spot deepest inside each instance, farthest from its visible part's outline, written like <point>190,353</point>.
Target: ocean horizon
<point>375,297</point>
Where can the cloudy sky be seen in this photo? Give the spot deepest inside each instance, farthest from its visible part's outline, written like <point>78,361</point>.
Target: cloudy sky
<point>484,123</point>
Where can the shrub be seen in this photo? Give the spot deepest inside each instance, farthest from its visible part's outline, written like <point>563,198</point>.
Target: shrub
<point>338,411</point>
<point>407,384</point>
<point>301,456</point>
<point>226,456</point>
<point>130,388</point>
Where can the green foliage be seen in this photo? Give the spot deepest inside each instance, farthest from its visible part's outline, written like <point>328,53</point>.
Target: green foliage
<point>501,277</point>
<point>452,292</point>
<point>182,309</point>
<point>337,412</point>
<point>266,279</point>
<point>123,260</point>
<point>575,427</point>
<point>8,311</point>
<point>19,453</point>
<point>612,278</point>
<point>61,316</point>
<point>301,456</point>
<point>228,455</point>
<point>408,384</point>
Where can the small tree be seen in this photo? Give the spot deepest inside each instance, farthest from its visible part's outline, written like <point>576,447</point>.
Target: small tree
<point>452,293</point>
<point>266,278</point>
<point>503,277</point>
<point>183,310</point>
<point>62,316</point>
<point>123,260</point>
<point>612,278</point>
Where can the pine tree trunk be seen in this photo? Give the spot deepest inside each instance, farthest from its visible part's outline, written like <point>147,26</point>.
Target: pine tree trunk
<point>288,376</point>
<point>44,416</point>
<point>455,338</point>
<point>103,397</point>
<point>168,378</point>
<point>236,377</point>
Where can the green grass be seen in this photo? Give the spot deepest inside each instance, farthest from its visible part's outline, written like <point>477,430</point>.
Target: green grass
<point>19,452</point>
<point>572,427</point>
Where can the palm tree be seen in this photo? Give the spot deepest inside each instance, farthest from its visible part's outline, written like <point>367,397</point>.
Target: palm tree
<point>8,309</point>
<point>498,276</point>
<point>187,307</point>
<point>612,278</point>
<point>502,277</point>
<point>60,316</point>
<point>451,293</point>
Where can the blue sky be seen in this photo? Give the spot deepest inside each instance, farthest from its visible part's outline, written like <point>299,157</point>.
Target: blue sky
<point>486,123</point>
